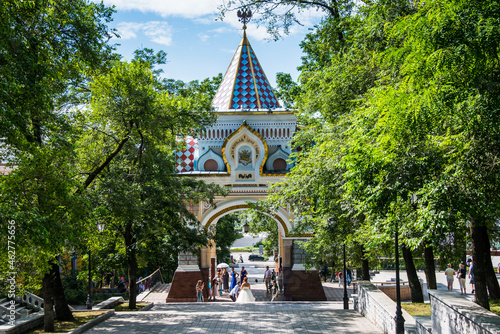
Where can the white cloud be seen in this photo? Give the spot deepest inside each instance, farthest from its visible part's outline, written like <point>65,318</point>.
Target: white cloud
<point>127,30</point>
<point>221,30</point>
<point>184,8</point>
<point>203,37</point>
<point>157,31</point>
<point>202,12</point>
<point>255,32</point>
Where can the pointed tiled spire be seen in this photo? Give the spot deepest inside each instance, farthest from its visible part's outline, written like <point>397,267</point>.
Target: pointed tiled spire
<point>244,86</point>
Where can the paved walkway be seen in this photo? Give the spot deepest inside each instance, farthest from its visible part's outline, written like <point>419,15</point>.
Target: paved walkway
<point>295,317</point>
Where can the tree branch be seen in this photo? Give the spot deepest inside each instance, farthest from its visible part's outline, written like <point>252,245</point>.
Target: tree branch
<point>106,162</point>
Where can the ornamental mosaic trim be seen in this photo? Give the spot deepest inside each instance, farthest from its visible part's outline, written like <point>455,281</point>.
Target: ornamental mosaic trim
<point>244,125</point>
<point>184,160</point>
<point>245,86</point>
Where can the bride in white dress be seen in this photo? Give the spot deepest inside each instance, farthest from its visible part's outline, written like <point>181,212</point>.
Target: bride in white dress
<point>245,295</point>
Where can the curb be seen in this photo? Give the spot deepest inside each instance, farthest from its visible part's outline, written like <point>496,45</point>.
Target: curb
<point>93,322</point>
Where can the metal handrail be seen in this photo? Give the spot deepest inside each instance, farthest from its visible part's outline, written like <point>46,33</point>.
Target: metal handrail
<point>155,278</point>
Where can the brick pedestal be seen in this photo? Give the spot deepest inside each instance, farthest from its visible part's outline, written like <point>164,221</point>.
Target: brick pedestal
<point>183,288</point>
<point>304,285</point>
<point>187,275</point>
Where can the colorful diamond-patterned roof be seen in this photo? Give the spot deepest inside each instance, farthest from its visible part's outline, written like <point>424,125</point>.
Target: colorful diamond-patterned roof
<point>245,85</point>
<point>185,159</point>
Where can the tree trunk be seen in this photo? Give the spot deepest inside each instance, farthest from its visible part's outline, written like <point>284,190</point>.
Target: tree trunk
<point>491,277</point>
<point>417,295</point>
<point>484,275</point>
<point>63,312</point>
<point>430,268</point>
<point>131,265</point>
<point>365,268</point>
<point>480,255</point>
<point>48,303</point>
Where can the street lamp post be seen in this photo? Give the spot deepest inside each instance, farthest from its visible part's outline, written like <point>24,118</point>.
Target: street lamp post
<point>400,321</point>
<point>346,299</point>
<point>100,228</point>
<point>89,294</point>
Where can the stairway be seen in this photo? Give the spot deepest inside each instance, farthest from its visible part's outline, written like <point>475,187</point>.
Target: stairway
<point>23,306</point>
<point>158,294</point>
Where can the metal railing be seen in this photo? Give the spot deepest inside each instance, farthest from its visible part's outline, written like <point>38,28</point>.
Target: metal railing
<point>152,280</point>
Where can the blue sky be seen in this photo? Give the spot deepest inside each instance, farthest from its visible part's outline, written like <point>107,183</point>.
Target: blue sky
<point>197,45</point>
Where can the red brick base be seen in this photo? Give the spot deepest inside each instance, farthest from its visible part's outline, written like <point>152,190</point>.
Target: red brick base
<point>183,288</point>
<point>304,286</point>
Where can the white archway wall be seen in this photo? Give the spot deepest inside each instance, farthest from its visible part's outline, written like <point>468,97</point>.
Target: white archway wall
<point>227,207</point>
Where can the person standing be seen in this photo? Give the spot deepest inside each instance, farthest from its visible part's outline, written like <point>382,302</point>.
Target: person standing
<point>461,278</point>
<point>234,276</point>
<point>219,282</point>
<point>246,295</point>
<point>214,287</point>
<point>449,273</point>
<point>267,279</point>
<point>243,274</point>
<point>280,280</point>
<point>199,291</point>
<point>225,280</point>
<point>471,276</point>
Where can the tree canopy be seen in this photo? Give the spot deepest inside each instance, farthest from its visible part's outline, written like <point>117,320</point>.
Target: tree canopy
<point>400,122</point>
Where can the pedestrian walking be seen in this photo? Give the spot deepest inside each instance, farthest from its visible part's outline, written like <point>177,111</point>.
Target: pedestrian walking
<point>449,273</point>
<point>267,279</point>
<point>471,276</point>
<point>462,273</point>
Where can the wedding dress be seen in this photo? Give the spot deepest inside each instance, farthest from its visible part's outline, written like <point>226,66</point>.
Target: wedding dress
<point>245,296</point>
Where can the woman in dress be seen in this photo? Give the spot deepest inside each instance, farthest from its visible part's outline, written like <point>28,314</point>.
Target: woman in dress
<point>219,282</point>
<point>234,276</point>
<point>214,287</point>
<point>245,295</point>
<point>225,280</point>
<point>243,274</point>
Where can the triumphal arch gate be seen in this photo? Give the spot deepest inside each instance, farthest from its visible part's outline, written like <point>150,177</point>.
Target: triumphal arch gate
<point>247,150</point>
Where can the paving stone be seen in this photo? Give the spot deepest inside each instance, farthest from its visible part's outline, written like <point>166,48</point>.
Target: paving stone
<point>260,317</point>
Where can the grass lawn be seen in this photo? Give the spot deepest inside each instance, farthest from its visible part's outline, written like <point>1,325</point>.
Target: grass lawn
<point>67,326</point>
<point>416,309</point>
<point>244,249</point>
<point>495,306</point>
<point>124,307</point>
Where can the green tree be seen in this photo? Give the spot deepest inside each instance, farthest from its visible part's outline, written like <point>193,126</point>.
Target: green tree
<point>225,236</point>
<point>47,49</point>
<point>260,222</point>
<point>129,141</point>
<point>279,15</point>
<point>287,89</point>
